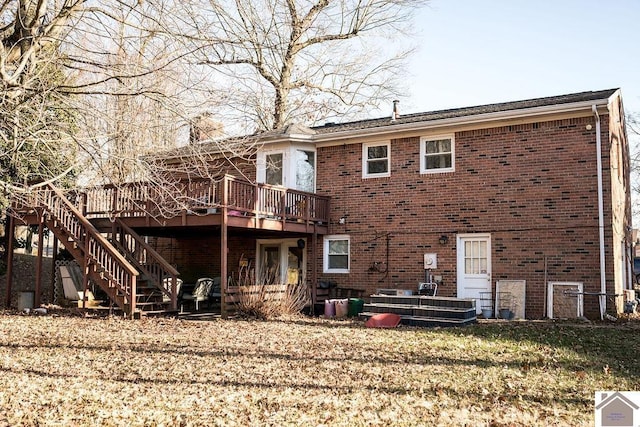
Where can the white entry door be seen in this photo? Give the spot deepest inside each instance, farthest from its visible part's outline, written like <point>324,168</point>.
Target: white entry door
<point>474,266</point>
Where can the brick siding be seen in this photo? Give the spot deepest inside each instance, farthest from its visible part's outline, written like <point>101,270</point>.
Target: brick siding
<point>532,186</point>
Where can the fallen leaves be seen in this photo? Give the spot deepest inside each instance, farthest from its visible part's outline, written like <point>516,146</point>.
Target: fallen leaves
<point>152,372</point>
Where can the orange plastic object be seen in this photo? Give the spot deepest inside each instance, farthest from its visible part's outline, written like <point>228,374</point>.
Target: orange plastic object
<point>383,320</point>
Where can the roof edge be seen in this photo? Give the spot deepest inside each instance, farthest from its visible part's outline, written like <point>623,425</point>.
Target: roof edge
<point>467,119</point>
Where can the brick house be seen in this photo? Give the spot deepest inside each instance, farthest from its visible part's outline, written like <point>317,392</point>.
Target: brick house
<point>535,192</point>
<point>499,192</point>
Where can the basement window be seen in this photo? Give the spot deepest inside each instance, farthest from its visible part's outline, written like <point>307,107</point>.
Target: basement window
<point>336,254</point>
<point>437,154</point>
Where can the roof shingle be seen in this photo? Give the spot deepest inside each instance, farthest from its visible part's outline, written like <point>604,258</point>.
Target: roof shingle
<point>466,111</point>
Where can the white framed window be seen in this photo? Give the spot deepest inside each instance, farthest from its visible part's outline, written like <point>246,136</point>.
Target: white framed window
<point>274,169</point>
<point>376,159</point>
<point>337,258</point>
<point>437,154</point>
<point>305,170</point>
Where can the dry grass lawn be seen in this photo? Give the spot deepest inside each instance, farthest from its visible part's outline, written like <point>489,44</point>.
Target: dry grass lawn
<point>74,371</point>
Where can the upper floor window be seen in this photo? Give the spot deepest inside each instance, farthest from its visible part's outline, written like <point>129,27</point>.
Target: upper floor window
<point>437,154</point>
<point>376,160</point>
<point>305,170</point>
<point>291,166</point>
<point>274,169</point>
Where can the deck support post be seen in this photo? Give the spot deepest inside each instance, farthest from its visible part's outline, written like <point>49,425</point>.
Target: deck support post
<point>314,269</point>
<point>10,238</point>
<point>38,289</point>
<point>54,259</point>
<point>85,276</point>
<point>224,285</point>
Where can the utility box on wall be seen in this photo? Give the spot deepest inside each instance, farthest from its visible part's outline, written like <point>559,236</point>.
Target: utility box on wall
<point>430,261</point>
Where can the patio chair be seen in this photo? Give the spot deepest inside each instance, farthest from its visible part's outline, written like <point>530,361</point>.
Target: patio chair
<point>216,293</point>
<point>428,289</point>
<point>201,292</point>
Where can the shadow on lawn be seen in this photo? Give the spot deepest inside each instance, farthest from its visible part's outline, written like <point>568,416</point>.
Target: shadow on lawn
<point>603,344</point>
<point>281,384</point>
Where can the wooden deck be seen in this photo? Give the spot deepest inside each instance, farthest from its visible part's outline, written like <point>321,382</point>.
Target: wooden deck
<point>206,203</point>
<point>81,220</point>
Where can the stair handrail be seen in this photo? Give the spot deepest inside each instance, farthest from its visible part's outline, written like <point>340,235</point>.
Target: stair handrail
<point>165,270</point>
<point>122,274</point>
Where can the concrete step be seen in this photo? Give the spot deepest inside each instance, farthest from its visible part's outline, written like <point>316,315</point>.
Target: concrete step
<point>422,310</point>
<point>423,300</point>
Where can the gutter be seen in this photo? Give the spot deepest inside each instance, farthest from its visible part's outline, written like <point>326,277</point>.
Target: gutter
<point>603,282</point>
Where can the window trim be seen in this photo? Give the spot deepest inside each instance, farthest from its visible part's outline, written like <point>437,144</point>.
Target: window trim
<point>365,159</point>
<point>261,165</point>
<point>423,154</point>
<point>325,257</point>
<point>281,170</point>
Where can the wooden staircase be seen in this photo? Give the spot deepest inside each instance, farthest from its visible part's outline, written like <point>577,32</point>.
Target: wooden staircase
<point>102,262</point>
<point>419,310</point>
<point>158,280</point>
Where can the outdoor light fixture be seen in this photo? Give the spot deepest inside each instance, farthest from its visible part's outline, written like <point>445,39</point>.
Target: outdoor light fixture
<point>443,240</point>
<point>342,220</point>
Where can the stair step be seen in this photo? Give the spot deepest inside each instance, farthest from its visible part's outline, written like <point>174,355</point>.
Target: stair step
<point>159,312</point>
<point>422,310</point>
<point>424,300</point>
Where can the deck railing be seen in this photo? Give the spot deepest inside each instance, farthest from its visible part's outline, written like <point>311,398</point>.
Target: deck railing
<point>202,196</point>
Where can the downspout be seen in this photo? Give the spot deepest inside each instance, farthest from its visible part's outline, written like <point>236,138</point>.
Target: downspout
<point>603,277</point>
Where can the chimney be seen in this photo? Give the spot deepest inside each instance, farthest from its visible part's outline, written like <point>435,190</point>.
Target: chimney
<point>203,127</point>
<point>396,114</point>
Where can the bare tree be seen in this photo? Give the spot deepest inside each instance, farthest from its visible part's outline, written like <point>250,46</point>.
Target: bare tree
<point>297,60</point>
<point>94,89</point>
<point>86,86</point>
<point>633,126</point>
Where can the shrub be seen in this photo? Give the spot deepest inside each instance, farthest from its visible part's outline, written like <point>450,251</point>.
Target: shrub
<point>267,297</point>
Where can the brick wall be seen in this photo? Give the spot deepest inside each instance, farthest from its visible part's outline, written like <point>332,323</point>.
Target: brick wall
<point>198,256</point>
<point>532,186</point>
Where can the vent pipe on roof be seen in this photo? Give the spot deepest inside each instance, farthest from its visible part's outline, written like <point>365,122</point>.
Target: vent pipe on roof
<point>396,113</point>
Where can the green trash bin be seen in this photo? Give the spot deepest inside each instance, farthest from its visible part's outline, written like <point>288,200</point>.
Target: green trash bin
<point>356,305</point>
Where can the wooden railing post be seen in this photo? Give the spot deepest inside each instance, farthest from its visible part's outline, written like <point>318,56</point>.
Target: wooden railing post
<point>133,296</point>
<point>85,276</point>
<point>174,293</point>
<point>83,203</point>
<point>114,200</point>
<point>283,207</point>
<point>307,209</point>
<point>256,199</point>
